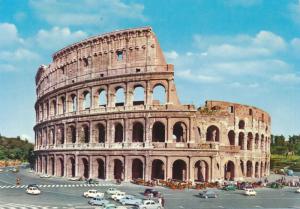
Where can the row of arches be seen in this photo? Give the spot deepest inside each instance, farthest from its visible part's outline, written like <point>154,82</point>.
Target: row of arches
<point>101,98</point>
<point>253,169</point>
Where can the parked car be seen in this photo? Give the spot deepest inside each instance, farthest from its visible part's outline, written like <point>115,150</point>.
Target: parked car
<point>229,187</point>
<point>250,192</point>
<point>152,192</point>
<point>118,196</point>
<point>130,200</point>
<point>32,185</point>
<point>112,206</point>
<point>208,194</point>
<point>98,201</point>
<point>76,178</point>
<point>45,176</point>
<point>1,170</point>
<point>93,193</point>
<point>33,190</point>
<point>92,181</point>
<point>112,191</point>
<point>149,204</point>
<point>298,190</point>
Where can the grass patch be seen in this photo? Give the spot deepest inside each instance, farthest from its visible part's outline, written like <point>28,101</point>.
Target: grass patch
<point>281,161</point>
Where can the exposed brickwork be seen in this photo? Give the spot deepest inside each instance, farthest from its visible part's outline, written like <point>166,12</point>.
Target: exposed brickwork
<point>83,130</point>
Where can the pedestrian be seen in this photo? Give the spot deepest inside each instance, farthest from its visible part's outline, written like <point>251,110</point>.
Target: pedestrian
<point>163,201</point>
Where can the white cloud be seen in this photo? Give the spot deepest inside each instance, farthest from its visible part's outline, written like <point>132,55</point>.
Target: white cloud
<point>57,38</point>
<point>189,75</point>
<point>269,41</point>
<point>87,12</point>
<point>7,68</point>
<point>294,9</point>
<point>295,44</point>
<point>171,55</point>
<point>20,54</point>
<point>286,78</point>
<point>25,136</point>
<point>9,34</point>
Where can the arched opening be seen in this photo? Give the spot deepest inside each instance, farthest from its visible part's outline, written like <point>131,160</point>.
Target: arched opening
<point>60,136</point>
<point>102,100</point>
<point>74,103</point>
<point>46,165</point>
<point>262,169</point>
<point>158,169</point>
<point>256,170</point>
<point>179,171</point>
<point>256,140</point>
<point>158,132</point>
<point>101,169</point>
<point>53,108</point>
<point>241,124</point>
<point>138,95</point>
<point>231,137</point>
<point>179,132</point>
<point>52,168</point>
<point>100,133</point>
<point>60,167</point>
<point>249,141</point>
<point>85,134</point>
<point>137,132</point>
<point>62,105</point>
<point>229,171</point>
<point>118,132</point>
<point>249,169</point>
<point>241,140</point>
<point>71,134</point>
<point>201,171</point>
<point>71,167</point>
<point>159,95</point>
<point>212,134</point>
<point>86,100</point>
<point>262,143</point>
<point>242,167</point>
<point>118,169</point>
<point>137,169</point>
<point>85,168</point>
<point>120,97</point>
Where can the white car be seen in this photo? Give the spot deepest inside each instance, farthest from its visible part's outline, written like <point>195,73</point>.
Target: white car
<point>93,193</point>
<point>112,206</point>
<point>45,176</point>
<point>112,191</point>
<point>298,190</point>
<point>1,170</point>
<point>118,196</point>
<point>149,204</point>
<point>76,178</point>
<point>33,190</point>
<point>250,192</point>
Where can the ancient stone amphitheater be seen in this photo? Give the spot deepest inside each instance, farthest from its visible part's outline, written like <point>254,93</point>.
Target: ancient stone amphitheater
<point>90,123</point>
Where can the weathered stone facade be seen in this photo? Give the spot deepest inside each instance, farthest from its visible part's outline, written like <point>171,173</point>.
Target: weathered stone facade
<point>83,130</point>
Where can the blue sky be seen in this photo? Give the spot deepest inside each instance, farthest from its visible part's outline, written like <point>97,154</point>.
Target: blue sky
<point>244,51</point>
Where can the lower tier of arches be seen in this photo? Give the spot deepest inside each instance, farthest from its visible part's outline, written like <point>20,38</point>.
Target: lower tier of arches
<point>128,167</point>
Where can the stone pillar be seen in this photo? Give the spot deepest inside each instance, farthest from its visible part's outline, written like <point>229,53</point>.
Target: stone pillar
<point>191,171</point>
<point>147,169</point>
<point>65,165</point>
<point>108,163</point>
<point>76,165</point>
<point>168,92</point>
<point>90,160</point>
<point>148,99</point>
<point>127,165</point>
<point>169,169</point>
<point>91,132</point>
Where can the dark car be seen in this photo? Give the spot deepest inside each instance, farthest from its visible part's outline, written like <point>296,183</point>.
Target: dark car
<point>229,187</point>
<point>208,194</point>
<point>153,192</point>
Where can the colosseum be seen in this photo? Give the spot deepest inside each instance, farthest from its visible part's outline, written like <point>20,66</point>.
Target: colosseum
<point>107,108</point>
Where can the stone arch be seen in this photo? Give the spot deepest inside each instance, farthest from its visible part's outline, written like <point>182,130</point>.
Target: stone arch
<point>86,100</point>
<point>137,132</point>
<point>262,169</point>
<point>229,170</point>
<point>60,167</point>
<point>201,171</point>
<point>71,134</point>
<point>119,96</point>
<point>242,167</point>
<point>73,99</point>
<point>262,142</point>
<point>241,124</point>
<point>100,133</point>
<point>118,169</point>
<point>45,168</point>
<point>249,169</point>
<point>256,170</point>
<point>159,94</point>
<point>102,98</point>
<point>212,134</point>
<point>53,107</point>
<point>71,167</point>
<point>180,132</point>
<point>158,132</point>
<point>256,140</point>
<point>84,167</point>
<point>241,140</point>
<point>85,133</point>
<point>231,137</point>
<point>158,169</point>
<point>52,166</point>
<point>60,135</point>
<point>61,105</point>
<point>138,95</point>
<point>119,132</point>
<point>137,169</point>
<point>249,141</point>
<point>100,168</point>
<point>179,170</point>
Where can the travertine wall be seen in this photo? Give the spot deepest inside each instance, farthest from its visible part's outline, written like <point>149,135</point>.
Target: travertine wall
<point>82,129</point>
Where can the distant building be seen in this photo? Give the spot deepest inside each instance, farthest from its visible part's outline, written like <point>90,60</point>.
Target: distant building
<point>89,122</point>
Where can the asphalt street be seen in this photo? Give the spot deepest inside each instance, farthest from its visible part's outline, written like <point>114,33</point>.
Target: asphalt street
<point>61,193</point>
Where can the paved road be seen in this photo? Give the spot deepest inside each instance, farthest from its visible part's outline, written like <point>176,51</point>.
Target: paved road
<point>60,193</point>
